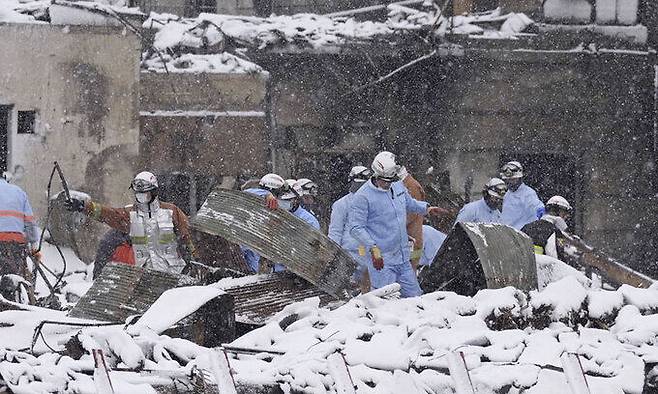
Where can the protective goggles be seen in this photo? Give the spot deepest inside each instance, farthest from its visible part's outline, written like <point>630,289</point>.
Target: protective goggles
<point>310,188</point>
<point>511,171</point>
<point>497,191</point>
<point>142,186</point>
<point>278,192</point>
<point>362,176</point>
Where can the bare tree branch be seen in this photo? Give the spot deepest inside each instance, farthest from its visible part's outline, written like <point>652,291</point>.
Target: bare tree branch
<point>392,73</point>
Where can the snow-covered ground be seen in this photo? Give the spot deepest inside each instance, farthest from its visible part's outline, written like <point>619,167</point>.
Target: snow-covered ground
<point>510,340</point>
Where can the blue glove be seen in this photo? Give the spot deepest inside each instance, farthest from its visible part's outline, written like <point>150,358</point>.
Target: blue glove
<point>540,212</point>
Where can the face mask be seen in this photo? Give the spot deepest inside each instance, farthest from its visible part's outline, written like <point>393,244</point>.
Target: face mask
<point>285,204</point>
<point>143,198</point>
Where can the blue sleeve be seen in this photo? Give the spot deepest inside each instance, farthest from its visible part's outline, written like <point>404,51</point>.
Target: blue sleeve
<point>313,221</point>
<point>464,215</point>
<point>415,206</point>
<point>358,220</point>
<point>535,203</point>
<point>30,223</point>
<point>337,222</point>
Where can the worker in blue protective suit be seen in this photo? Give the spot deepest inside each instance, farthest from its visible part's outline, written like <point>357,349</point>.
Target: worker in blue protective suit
<point>432,241</point>
<point>378,220</point>
<point>521,205</point>
<point>488,209</point>
<point>270,186</point>
<point>19,234</point>
<point>339,229</point>
<point>291,201</point>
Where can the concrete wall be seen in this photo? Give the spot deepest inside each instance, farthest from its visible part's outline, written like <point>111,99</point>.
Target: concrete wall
<point>208,126</point>
<point>83,84</point>
<point>584,124</point>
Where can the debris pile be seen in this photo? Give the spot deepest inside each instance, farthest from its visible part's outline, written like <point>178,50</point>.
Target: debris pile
<point>508,338</point>
<point>315,31</point>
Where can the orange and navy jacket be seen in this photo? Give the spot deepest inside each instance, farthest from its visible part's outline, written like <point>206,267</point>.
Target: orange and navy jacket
<point>119,219</point>
<point>17,222</point>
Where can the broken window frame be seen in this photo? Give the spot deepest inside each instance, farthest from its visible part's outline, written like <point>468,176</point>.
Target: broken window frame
<point>26,122</point>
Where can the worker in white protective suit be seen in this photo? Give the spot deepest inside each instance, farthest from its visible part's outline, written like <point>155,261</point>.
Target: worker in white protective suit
<point>159,231</point>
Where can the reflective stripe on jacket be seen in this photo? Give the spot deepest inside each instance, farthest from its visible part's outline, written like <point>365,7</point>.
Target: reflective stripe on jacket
<point>16,214</point>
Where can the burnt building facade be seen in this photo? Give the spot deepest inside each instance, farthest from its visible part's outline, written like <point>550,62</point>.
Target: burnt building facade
<point>581,122</point>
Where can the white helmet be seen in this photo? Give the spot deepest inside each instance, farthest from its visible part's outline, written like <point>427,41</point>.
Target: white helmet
<point>144,182</point>
<point>292,192</point>
<point>496,187</point>
<point>290,182</point>
<point>359,174</point>
<point>559,201</point>
<point>511,170</point>
<point>385,168</point>
<point>272,182</point>
<point>309,188</point>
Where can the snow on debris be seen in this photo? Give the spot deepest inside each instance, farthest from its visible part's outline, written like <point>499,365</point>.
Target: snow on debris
<point>317,30</point>
<point>408,339</point>
<point>509,338</point>
<point>191,63</point>
<point>15,11</point>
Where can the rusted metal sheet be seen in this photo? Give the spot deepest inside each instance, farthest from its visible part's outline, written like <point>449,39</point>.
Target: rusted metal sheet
<point>123,290</point>
<point>477,256</point>
<point>259,297</point>
<point>278,236</point>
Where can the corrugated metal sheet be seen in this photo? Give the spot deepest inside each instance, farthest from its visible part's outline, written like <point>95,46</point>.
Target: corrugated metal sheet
<point>279,236</point>
<point>123,290</point>
<point>477,256</point>
<point>259,297</point>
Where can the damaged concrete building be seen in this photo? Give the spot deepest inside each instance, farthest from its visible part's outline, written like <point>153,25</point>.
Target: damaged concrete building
<point>64,96</point>
<point>572,98</point>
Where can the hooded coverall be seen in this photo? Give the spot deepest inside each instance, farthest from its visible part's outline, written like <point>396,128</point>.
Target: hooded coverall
<point>479,212</point>
<point>521,207</point>
<point>378,217</point>
<point>339,232</point>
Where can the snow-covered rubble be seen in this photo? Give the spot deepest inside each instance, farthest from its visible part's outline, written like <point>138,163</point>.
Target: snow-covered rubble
<point>386,343</point>
<point>508,338</point>
<point>317,30</point>
<point>191,63</point>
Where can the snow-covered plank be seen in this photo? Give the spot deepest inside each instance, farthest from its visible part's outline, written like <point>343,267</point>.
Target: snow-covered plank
<point>102,380</point>
<point>459,373</point>
<point>343,383</point>
<point>573,371</point>
<point>221,372</point>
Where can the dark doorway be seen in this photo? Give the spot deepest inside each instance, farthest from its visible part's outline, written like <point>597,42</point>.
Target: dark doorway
<point>553,174</point>
<point>186,191</point>
<point>5,112</point>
